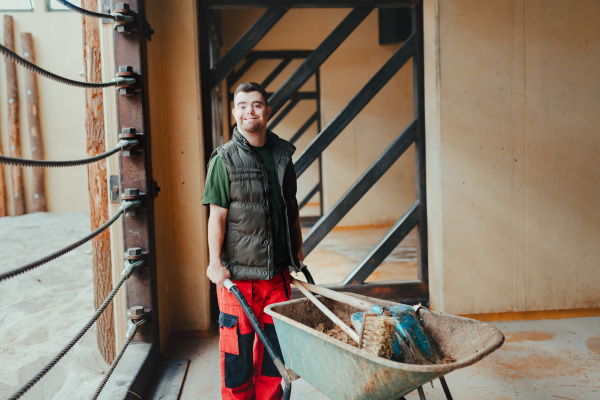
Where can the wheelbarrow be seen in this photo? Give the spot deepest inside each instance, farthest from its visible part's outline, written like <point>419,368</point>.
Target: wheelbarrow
<point>341,371</point>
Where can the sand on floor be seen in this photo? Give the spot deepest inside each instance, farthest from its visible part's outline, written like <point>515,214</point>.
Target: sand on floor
<point>42,310</point>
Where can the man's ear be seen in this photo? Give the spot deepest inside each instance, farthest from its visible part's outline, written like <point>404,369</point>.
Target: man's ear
<point>269,109</point>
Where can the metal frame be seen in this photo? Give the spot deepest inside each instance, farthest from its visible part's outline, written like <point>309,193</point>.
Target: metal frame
<point>412,48</point>
<point>136,367</point>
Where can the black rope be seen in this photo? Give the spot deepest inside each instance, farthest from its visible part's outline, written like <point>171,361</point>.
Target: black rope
<point>70,345</point>
<point>113,365</point>
<point>29,267</point>
<point>31,66</point>
<point>115,17</point>
<point>123,144</point>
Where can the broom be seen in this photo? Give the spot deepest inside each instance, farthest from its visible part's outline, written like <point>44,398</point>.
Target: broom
<point>393,332</point>
<point>377,333</point>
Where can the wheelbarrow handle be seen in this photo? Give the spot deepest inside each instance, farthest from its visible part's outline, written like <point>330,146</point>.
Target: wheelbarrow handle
<point>287,382</point>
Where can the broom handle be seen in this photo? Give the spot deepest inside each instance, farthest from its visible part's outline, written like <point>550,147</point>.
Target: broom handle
<point>337,296</point>
<point>327,311</point>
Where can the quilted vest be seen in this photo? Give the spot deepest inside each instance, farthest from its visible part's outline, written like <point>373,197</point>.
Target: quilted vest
<point>248,244</point>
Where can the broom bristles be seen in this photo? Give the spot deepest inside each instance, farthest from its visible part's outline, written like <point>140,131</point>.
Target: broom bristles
<point>379,334</point>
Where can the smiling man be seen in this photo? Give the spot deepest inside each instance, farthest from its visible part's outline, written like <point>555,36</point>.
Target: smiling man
<point>254,238</point>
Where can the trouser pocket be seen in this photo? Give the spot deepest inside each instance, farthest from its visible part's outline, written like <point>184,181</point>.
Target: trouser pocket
<point>228,333</point>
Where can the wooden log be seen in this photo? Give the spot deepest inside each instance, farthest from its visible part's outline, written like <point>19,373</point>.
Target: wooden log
<point>14,141</point>
<point>97,182</point>
<point>2,185</point>
<point>38,202</point>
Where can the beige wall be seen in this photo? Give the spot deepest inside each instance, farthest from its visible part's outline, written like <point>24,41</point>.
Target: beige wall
<point>512,154</point>
<point>178,167</point>
<point>58,44</point>
<point>342,76</point>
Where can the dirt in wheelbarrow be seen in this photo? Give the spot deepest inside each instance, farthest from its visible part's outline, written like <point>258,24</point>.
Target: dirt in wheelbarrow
<point>336,333</point>
<point>314,320</point>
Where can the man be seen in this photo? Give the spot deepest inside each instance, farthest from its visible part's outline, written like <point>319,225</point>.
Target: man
<point>254,238</point>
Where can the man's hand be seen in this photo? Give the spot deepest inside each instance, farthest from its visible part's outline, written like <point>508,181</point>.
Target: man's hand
<point>217,273</point>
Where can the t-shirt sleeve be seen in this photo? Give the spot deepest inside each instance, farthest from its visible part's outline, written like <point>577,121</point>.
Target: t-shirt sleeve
<point>216,190</point>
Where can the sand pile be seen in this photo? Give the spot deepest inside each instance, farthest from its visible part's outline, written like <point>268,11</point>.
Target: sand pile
<point>42,310</point>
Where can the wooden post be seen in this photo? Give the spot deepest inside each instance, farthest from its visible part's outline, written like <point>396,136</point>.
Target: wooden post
<point>38,203</point>
<point>97,181</point>
<point>14,141</point>
<point>2,190</point>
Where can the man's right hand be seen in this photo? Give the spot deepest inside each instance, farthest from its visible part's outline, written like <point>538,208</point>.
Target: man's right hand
<point>217,273</point>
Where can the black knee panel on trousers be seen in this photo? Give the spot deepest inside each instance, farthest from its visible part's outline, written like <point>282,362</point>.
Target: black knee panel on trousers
<point>268,367</point>
<point>239,368</point>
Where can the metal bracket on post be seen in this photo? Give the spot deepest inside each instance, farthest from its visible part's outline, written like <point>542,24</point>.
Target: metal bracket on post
<point>129,133</point>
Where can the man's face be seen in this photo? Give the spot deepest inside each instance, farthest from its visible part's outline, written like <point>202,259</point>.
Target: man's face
<point>250,112</point>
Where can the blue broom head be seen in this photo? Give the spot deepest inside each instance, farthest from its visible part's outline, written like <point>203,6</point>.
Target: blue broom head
<point>412,343</point>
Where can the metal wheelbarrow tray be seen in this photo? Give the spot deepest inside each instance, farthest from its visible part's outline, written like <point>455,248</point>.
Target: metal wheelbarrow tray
<point>341,371</point>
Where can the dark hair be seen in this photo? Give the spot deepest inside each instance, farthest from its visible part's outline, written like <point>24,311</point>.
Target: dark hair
<point>252,87</point>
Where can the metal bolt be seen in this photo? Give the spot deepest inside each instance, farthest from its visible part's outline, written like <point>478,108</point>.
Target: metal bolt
<point>125,68</point>
<point>134,251</point>
<point>128,129</point>
<point>136,311</point>
<point>126,91</point>
<point>123,29</point>
<point>132,192</point>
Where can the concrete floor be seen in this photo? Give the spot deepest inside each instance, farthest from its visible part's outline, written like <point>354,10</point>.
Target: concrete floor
<point>545,359</point>
<point>344,248</point>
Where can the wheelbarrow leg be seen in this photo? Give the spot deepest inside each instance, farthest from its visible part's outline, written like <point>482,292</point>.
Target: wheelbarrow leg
<point>421,393</point>
<point>287,382</point>
<point>445,387</point>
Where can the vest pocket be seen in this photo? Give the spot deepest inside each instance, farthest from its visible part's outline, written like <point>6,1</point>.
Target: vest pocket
<point>228,333</point>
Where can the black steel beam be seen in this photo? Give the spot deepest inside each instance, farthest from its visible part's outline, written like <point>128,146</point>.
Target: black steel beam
<point>419,110</point>
<point>280,54</point>
<point>229,4</point>
<point>313,118</point>
<point>309,196</point>
<point>295,96</point>
<point>318,57</point>
<point>386,245</point>
<point>335,127</point>
<point>244,45</point>
<point>273,123</point>
<point>234,76</point>
<point>275,73</point>
<point>359,188</point>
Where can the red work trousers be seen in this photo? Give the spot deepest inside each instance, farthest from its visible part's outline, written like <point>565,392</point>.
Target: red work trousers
<point>246,372</point>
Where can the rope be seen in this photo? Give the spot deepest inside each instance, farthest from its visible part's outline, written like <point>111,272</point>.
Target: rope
<point>73,341</point>
<point>123,144</point>
<point>115,16</point>
<point>113,365</point>
<point>31,66</point>
<point>124,207</point>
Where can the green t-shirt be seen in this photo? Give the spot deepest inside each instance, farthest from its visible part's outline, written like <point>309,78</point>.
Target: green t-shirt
<point>216,191</point>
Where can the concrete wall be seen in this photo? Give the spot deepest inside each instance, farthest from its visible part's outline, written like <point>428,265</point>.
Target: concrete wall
<point>58,43</point>
<point>342,76</point>
<point>512,154</point>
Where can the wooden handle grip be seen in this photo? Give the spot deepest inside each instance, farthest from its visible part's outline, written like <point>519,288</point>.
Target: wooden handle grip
<point>337,296</point>
<point>336,320</point>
